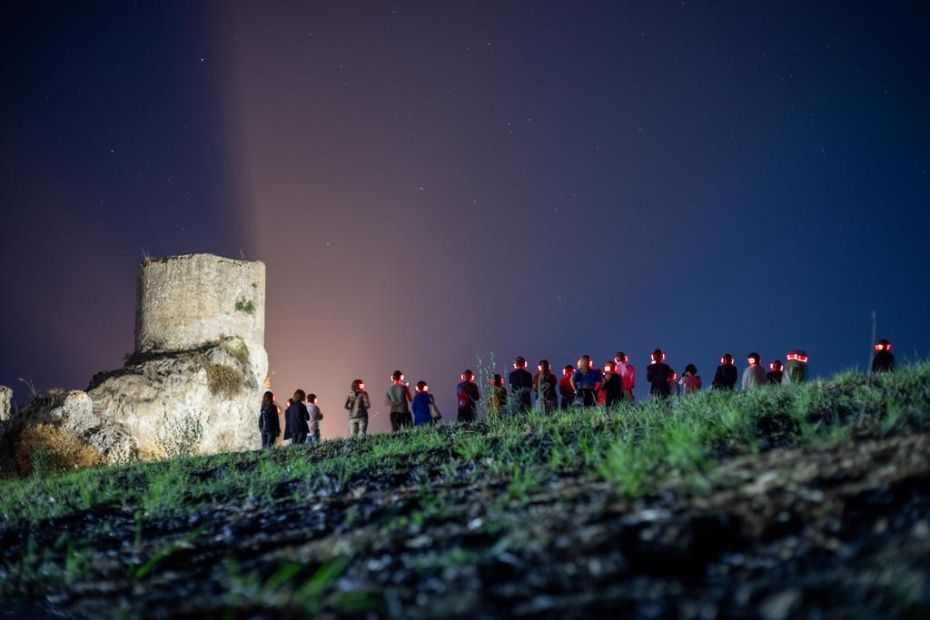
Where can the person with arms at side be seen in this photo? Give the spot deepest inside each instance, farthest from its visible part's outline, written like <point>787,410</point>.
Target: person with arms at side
<point>398,399</point>
<point>796,368</point>
<point>316,416</point>
<point>584,382</point>
<point>358,404</point>
<point>544,384</point>
<point>627,374</point>
<point>268,424</point>
<point>773,376</point>
<point>423,404</point>
<point>612,385</point>
<point>690,381</point>
<point>498,400</point>
<point>673,388</point>
<point>296,418</point>
<point>566,390</point>
<point>521,387</point>
<point>725,377</point>
<point>658,374</point>
<point>883,361</point>
<point>468,396</point>
<point>754,374</point>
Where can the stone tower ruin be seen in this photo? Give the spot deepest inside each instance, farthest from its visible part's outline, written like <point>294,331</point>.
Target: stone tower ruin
<point>193,384</point>
<point>185,302</point>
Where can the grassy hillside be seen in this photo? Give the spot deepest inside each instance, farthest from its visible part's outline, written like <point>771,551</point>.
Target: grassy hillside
<point>761,503</point>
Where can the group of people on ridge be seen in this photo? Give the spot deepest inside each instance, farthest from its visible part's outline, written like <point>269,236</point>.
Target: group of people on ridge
<point>582,385</point>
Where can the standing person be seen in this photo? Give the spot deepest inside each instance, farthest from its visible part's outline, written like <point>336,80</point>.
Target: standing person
<point>295,419</point>
<point>422,405</point>
<point>498,399</point>
<point>754,375</point>
<point>268,424</point>
<point>468,396</point>
<point>584,382</point>
<point>725,377</point>
<point>612,385</point>
<point>358,404</point>
<point>673,388</point>
<point>658,374</point>
<point>566,390</point>
<point>315,417</point>
<point>690,382</point>
<point>796,368</point>
<point>627,374</point>
<point>521,386</point>
<point>398,398</point>
<point>544,384</point>
<point>774,375</point>
<point>883,361</point>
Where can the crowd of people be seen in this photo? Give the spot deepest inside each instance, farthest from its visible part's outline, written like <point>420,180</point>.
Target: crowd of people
<point>581,385</point>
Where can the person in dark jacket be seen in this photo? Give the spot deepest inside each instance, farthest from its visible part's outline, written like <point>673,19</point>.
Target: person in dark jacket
<point>584,382</point>
<point>658,374</point>
<point>773,376</point>
<point>566,391</point>
<point>726,376</point>
<point>468,396</point>
<point>544,384</point>
<point>521,386</point>
<point>296,418</point>
<point>268,424</point>
<point>422,401</point>
<point>612,385</point>
<point>883,361</point>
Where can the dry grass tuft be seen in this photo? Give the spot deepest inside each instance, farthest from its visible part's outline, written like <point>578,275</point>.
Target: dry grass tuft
<point>151,452</point>
<point>46,447</point>
<point>238,351</point>
<point>223,380</point>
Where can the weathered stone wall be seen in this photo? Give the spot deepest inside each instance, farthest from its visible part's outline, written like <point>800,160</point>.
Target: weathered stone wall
<point>185,302</point>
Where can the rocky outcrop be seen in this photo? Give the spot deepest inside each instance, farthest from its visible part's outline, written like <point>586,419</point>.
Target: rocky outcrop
<point>74,413</point>
<point>200,400</point>
<point>193,383</point>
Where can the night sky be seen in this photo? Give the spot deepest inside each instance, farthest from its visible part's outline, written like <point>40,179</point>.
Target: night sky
<point>432,181</point>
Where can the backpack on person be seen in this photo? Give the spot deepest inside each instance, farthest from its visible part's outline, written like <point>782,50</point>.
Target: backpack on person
<point>434,410</point>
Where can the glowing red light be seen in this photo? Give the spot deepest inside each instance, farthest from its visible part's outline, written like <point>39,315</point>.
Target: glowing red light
<point>361,386</point>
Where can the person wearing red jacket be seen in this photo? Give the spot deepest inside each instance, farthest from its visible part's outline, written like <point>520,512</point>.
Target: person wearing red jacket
<point>627,375</point>
<point>566,391</point>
